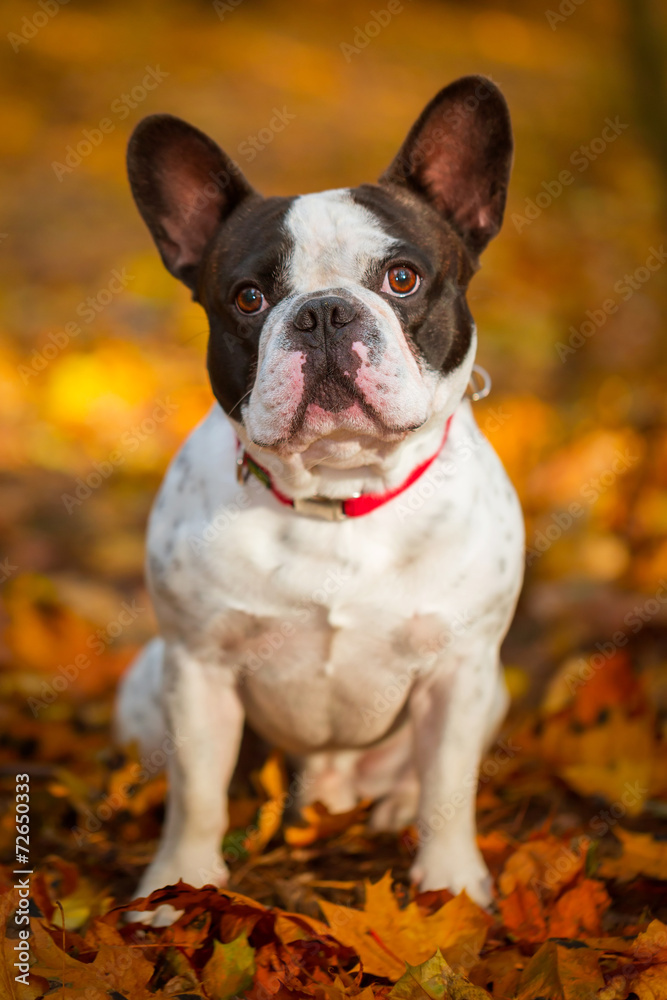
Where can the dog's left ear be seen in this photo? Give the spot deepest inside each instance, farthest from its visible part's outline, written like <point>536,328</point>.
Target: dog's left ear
<point>458,155</point>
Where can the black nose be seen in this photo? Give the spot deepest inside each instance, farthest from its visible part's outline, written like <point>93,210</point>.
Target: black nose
<point>324,316</point>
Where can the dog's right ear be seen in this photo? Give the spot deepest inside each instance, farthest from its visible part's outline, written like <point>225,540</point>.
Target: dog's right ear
<point>184,186</point>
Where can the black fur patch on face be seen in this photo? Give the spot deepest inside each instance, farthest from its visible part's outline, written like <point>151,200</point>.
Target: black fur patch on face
<point>435,319</point>
<point>252,248</point>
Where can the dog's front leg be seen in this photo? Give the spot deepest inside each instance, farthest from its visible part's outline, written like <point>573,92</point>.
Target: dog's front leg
<point>204,717</point>
<point>450,714</point>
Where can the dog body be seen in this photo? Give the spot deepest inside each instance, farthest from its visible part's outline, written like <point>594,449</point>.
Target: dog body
<point>366,647</point>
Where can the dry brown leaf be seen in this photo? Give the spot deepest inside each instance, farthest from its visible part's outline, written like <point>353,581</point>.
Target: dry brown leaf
<point>434,979</point>
<point>561,973</point>
<point>578,912</point>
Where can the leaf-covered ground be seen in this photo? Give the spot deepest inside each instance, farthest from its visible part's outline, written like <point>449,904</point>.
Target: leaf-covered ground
<point>320,907</point>
<point>101,377</point>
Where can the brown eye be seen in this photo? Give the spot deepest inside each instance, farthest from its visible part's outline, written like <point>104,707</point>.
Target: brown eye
<point>400,280</point>
<point>250,300</point>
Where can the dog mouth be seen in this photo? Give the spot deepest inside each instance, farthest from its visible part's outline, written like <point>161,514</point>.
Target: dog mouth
<point>298,401</point>
<point>340,437</point>
<point>340,419</point>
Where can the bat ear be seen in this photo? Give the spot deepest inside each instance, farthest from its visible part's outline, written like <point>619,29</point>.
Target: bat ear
<point>184,187</point>
<point>458,155</point>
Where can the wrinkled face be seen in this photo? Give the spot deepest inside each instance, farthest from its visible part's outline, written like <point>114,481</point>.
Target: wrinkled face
<point>337,315</point>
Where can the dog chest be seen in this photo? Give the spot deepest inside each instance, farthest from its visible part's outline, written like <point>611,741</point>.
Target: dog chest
<point>326,626</point>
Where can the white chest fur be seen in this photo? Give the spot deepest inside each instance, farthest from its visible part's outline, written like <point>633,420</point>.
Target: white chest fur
<point>317,620</point>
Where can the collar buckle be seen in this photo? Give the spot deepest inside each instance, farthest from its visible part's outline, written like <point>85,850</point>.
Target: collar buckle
<point>479,385</point>
<point>321,507</point>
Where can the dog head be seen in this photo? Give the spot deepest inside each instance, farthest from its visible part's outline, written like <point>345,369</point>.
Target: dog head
<point>335,318</point>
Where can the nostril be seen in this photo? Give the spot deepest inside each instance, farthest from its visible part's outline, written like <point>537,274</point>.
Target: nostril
<point>341,315</point>
<point>305,319</point>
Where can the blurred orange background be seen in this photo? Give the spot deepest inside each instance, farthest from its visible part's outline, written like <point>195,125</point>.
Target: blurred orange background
<point>102,410</point>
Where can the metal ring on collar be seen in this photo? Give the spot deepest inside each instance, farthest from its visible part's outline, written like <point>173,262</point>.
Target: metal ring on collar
<point>479,385</point>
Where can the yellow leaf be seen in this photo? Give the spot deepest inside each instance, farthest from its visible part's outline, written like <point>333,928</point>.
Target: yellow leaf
<point>602,759</point>
<point>642,855</point>
<point>610,779</point>
<point>386,937</point>
<point>273,781</point>
<point>651,983</point>
<point>323,825</point>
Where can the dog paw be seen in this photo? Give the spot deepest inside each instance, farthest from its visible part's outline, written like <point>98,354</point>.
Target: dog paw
<point>439,869</point>
<point>187,866</point>
<point>164,916</point>
<point>195,871</point>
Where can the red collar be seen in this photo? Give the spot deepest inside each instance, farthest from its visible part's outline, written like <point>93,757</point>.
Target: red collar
<point>324,507</point>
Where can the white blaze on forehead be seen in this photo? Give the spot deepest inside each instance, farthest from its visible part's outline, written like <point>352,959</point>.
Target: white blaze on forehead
<point>333,241</point>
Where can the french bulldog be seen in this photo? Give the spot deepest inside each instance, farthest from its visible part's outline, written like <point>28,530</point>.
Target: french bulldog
<point>336,552</point>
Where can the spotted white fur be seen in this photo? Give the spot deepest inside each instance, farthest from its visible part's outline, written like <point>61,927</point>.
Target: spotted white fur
<point>366,649</point>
